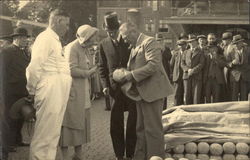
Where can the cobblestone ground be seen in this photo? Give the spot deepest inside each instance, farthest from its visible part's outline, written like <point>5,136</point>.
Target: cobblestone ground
<point>100,147</point>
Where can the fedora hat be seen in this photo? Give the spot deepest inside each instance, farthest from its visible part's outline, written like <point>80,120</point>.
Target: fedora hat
<point>201,36</point>
<point>111,22</point>
<point>20,31</point>
<point>237,38</point>
<point>227,35</point>
<point>159,37</point>
<point>22,108</point>
<point>130,91</point>
<point>191,38</point>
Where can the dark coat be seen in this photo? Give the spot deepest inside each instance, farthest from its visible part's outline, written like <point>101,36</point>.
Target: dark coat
<point>112,57</point>
<point>175,64</point>
<point>166,57</point>
<point>215,63</point>
<point>193,60</point>
<point>241,70</point>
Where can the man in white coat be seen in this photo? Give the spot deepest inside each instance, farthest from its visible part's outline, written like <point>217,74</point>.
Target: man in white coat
<point>48,83</point>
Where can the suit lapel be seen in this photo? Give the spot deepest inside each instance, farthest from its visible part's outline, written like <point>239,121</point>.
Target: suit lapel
<point>109,47</point>
<point>195,52</point>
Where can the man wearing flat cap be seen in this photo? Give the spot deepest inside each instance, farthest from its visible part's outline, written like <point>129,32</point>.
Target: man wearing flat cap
<point>175,64</point>
<point>192,64</point>
<point>15,60</point>
<point>114,54</point>
<point>240,69</point>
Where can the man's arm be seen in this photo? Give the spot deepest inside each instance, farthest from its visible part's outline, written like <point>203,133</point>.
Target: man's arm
<point>103,68</point>
<point>40,52</point>
<point>153,58</point>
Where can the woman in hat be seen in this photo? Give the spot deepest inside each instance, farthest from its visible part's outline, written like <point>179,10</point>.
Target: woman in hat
<point>76,124</point>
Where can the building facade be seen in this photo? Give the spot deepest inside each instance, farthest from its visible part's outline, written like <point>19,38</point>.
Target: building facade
<point>172,17</point>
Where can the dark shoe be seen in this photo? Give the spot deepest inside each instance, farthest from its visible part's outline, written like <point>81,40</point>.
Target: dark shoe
<point>23,144</point>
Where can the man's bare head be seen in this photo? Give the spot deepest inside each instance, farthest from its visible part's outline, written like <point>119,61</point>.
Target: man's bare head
<point>129,32</point>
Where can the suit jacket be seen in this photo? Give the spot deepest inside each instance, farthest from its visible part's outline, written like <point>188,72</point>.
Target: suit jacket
<point>215,62</point>
<point>166,57</point>
<point>145,64</point>
<point>175,63</point>
<point>112,57</point>
<point>241,70</point>
<point>193,60</point>
<point>15,62</point>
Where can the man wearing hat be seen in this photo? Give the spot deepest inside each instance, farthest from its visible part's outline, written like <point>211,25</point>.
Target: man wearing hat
<point>213,70</point>
<point>114,54</point>
<point>15,60</point>
<point>202,39</point>
<point>227,48</point>
<point>240,69</point>
<point>192,64</point>
<point>166,57</point>
<point>175,64</point>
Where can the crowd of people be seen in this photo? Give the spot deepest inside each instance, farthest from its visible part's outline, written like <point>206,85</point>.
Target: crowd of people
<point>134,69</point>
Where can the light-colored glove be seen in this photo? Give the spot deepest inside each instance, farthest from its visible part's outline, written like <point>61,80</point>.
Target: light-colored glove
<point>105,91</point>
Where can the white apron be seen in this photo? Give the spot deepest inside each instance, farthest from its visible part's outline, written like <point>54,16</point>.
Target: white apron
<point>52,93</point>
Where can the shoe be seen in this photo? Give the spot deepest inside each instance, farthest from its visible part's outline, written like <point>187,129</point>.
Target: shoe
<point>23,144</point>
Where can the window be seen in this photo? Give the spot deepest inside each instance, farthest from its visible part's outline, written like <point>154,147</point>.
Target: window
<point>149,25</point>
<point>155,5</point>
<point>163,26</point>
<point>149,3</point>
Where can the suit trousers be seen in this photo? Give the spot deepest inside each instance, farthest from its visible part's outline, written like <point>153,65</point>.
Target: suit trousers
<point>149,130</point>
<point>192,91</point>
<point>178,93</point>
<point>120,142</point>
<point>213,89</point>
<point>240,87</point>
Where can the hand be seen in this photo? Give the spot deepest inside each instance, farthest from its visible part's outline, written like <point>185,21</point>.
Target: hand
<point>93,70</point>
<point>30,99</point>
<point>190,72</point>
<point>235,61</point>
<point>128,76</point>
<point>105,91</point>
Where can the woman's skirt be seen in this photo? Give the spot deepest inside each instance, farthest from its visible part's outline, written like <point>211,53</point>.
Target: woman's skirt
<point>75,137</point>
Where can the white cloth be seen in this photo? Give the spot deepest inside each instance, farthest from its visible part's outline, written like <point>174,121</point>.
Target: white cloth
<point>48,78</point>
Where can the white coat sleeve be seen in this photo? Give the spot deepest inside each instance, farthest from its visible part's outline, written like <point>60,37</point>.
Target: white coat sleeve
<point>40,52</point>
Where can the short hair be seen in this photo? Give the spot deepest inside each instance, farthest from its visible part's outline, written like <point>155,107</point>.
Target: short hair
<point>59,12</point>
<point>128,27</point>
<point>211,34</point>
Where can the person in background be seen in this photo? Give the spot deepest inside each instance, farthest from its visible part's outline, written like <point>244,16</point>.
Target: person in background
<point>76,124</point>
<point>240,69</point>
<point>114,54</point>
<point>227,48</point>
<point>146,72</point>
<point>15,59</point>
<point>175,64</point>
<point>213,70</point>
<point>202,39</point>
<point>192,64</point>
<point>48,83</point>
<point>166,57</point>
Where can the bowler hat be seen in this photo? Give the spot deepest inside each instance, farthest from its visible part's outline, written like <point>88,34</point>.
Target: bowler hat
<point>181,42</point>
<point>111,22</point>
<point>237,38</point>
<point>20,31</point>
<point>158,37</point>
<point>191,38</point>
<point>201,36</point>
<point>22,109</point>
<point>227,35</point>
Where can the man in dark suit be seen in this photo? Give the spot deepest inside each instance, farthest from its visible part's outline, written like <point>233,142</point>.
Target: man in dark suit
<point>175,63</point>
<point>213,70</point>
<point>114,54</point>
<point>192,64</point>
<point>240,69</point>
<point>15,61</point>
